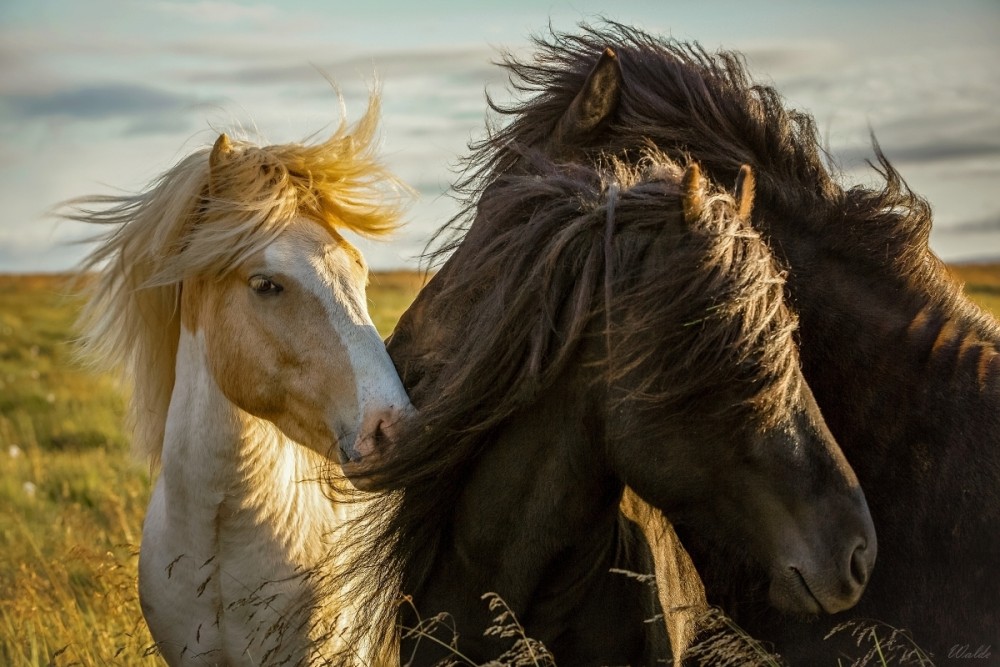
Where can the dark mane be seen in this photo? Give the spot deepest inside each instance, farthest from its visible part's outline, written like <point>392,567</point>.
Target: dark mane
<point>696,310</point>
<point>681,98</point>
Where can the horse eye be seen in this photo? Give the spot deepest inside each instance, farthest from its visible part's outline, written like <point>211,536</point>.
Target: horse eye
<point>264,285</point>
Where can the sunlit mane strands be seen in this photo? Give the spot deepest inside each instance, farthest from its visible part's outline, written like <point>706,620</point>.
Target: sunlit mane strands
<point>131,322</point>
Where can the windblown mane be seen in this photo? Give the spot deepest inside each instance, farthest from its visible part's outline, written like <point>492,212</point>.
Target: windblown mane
<point>176,230</point>
<point>696,307</point>
<point>683,99</point>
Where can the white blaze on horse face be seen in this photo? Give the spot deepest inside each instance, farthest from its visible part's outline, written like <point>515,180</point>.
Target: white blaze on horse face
<point>297,347</point>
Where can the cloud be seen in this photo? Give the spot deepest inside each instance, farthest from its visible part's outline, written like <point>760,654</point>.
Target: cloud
<point>101,101</point>
<point>468,65</point>
<point>943,151</point>
<point>171,124</point>
<point>939,151</point>
<point>787,58</point>
<point>209,11</point>
<point>990,224</point>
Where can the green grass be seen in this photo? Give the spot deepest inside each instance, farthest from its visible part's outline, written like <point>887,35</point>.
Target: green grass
<point>389,295</point>
<point>71,499</point>
<point>982,284</point>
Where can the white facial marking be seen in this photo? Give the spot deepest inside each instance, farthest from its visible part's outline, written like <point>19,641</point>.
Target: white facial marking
<point>332,275</point>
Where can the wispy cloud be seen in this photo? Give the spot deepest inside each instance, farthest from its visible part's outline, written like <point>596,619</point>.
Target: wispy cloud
<point>210,11</point>
<point>100,101</point>
<point>925,152</point>
<point>471,65</point>
<point>167,124</point>
<point>989,224</point>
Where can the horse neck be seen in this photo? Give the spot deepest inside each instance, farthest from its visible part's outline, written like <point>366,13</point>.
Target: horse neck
<point>236,472</point>
<point>535,521</point>
<point>533,460</point>
<point>905,369</point>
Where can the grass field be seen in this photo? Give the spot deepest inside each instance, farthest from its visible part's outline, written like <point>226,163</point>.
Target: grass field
<point>982,283</point>
<point>71,500</point>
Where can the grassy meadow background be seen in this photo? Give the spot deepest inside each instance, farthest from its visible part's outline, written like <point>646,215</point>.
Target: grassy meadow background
<point>71,498</point>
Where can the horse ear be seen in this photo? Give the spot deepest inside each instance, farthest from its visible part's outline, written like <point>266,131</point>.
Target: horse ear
<point>745,187</point>
<point>221,152</point>
<point>596,101</point>
<point>694,192</point>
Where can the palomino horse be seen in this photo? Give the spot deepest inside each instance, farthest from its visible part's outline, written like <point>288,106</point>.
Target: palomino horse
<point>231,302</point>
<point>905,368</point>
<point>600,326</point>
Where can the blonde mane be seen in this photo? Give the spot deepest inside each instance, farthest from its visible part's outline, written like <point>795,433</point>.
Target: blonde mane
<point>192,223</point>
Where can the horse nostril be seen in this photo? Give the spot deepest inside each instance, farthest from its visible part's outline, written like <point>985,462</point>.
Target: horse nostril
<point>342,455</point>
<point>860,566</point>
<point>381,436</point>
<point>388,430</point>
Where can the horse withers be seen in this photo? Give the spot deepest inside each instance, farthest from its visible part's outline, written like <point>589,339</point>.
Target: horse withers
<point>600,326</point>
<point>231,302</point>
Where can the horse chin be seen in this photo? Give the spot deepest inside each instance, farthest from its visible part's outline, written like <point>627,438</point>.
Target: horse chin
<point>355,471</point>
<point>790,593</point>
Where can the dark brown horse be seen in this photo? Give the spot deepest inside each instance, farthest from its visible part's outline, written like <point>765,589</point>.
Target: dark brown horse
<point>904,367</point>
<point>597,327</point>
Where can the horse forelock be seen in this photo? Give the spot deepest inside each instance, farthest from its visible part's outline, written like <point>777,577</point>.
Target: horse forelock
<point>194,221</point>
<point>686,100</point>
<point>705,318</point>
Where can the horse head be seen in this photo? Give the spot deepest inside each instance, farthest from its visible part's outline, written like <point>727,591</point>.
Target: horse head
<point>712,422</point>
<point>241,249</point>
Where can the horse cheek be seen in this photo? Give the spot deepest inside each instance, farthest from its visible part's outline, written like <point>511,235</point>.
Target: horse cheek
<point>243,373</point>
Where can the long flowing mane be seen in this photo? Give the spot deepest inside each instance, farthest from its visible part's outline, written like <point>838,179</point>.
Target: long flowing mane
<point>177,229</point>
<point>681,98</point>
<point>691,302</point>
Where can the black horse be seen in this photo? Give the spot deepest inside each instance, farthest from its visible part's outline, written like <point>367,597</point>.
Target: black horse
<point>599,326</point>
<point>905,368</point>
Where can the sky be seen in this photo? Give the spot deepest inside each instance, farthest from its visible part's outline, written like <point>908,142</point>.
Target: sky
<point>100,96</point>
